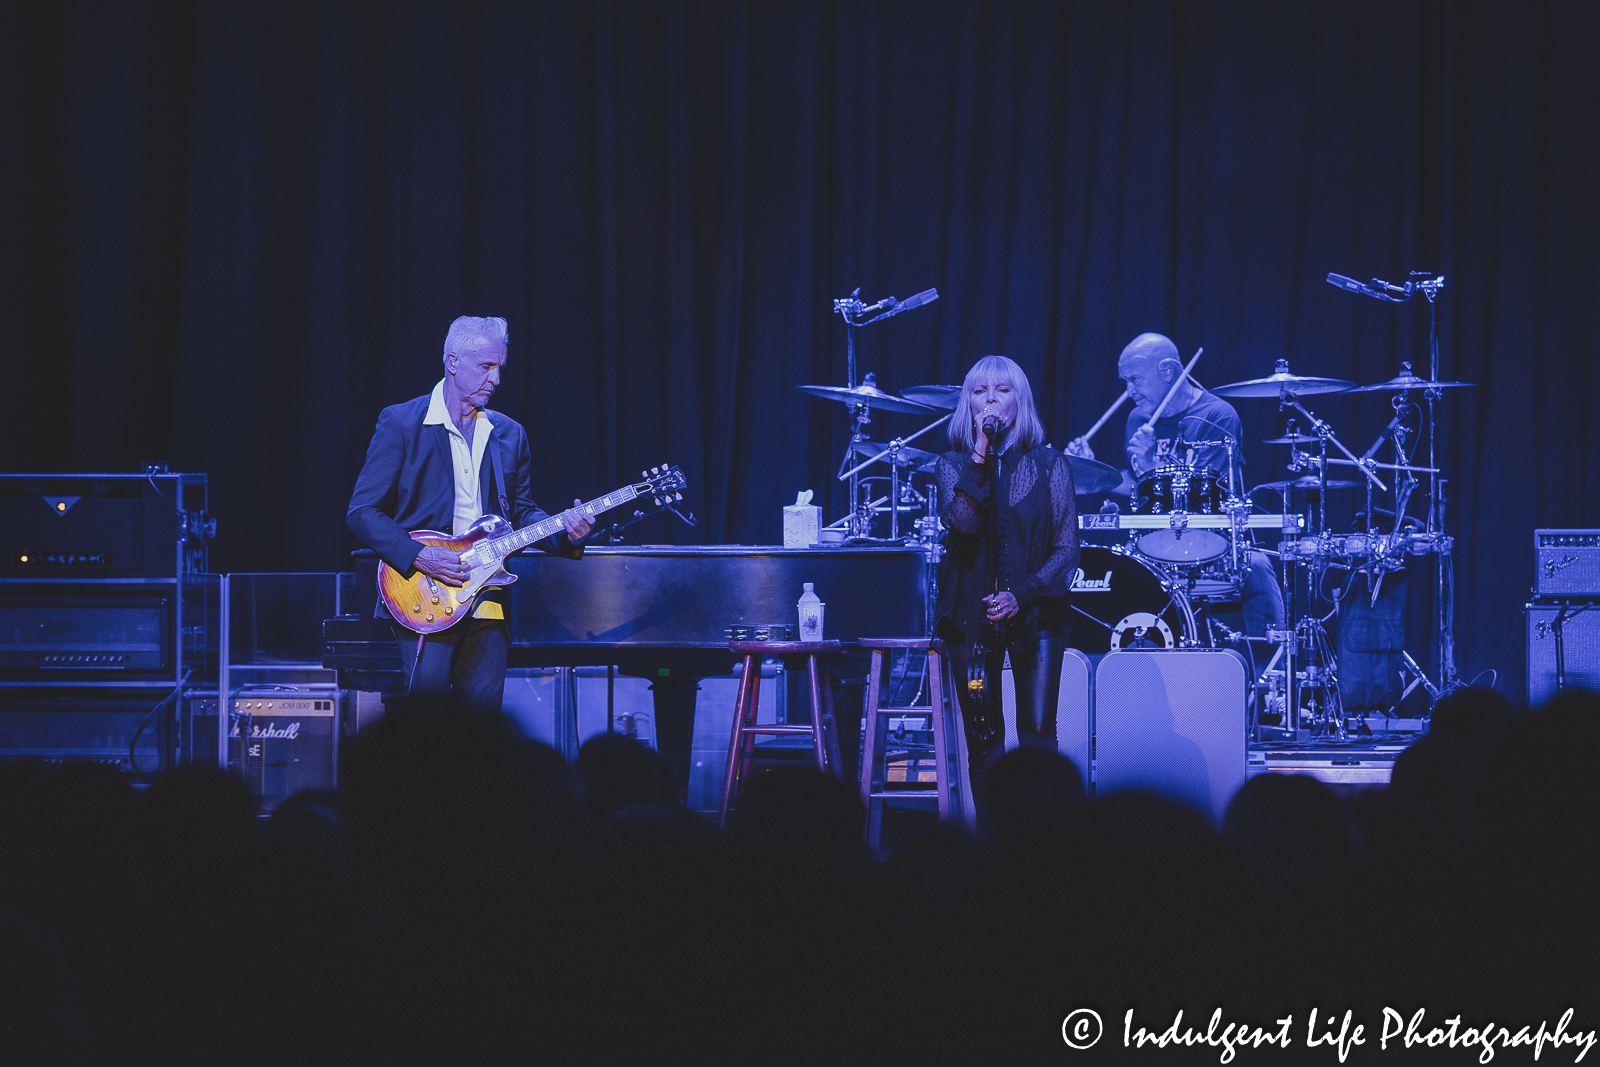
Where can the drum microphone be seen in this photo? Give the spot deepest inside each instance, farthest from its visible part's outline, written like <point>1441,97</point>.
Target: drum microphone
<point>1377,288</point>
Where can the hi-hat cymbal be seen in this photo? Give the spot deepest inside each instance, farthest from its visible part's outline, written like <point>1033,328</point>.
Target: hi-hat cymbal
<point>1310,481</point>
<point>1292,439</point>
<point>1280,381</point>
<point>943,397</point>
<point>1092,476</point>
<point>869,394</point>
<point>1407,380</point>
<point>905,456</point>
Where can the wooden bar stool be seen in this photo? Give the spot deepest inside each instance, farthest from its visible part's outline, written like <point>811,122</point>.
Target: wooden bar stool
<point>875,755</point>
<point>742,742</point>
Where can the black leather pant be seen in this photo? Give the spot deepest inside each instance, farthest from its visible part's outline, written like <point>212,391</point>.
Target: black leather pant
<point>1036,676</point>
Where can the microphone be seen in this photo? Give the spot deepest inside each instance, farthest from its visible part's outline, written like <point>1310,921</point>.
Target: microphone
<point>1381,293</point>
<point>890,306</point>
<point>1383,435</point>
<point>991,424</point>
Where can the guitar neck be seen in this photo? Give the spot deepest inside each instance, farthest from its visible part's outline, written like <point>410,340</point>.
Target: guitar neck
<point>511,542</point>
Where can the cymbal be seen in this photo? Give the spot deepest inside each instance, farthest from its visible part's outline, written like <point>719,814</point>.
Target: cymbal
<point>870,395</point>
<point>1292,439</point>
<point>1308,482</point>
<point>914,458</point>
<point>943,397</point>
<point>1408,380</point>
<point>1092,476</point>
<point>1280,381</point>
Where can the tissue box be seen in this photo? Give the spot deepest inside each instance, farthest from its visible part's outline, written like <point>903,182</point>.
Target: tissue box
<point>801,525</point>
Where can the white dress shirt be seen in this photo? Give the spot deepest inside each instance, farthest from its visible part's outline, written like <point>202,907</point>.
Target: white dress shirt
<point>467,465</point>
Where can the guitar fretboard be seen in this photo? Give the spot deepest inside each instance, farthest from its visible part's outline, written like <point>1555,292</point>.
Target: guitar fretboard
<point>505,545</point>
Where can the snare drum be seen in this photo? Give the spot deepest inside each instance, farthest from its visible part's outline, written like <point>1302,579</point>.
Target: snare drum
<point>1119,601</point>
<point>1193,490</point>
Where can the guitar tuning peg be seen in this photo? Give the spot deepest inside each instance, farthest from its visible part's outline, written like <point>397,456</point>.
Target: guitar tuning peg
<point>655,470</point>
<point>678,496</point>
<point>644,474</point>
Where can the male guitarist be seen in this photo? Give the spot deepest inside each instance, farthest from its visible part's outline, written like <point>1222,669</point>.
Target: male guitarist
<point>440,462</point>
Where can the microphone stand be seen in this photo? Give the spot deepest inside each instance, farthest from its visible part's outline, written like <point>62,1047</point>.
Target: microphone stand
<point>982,654</point>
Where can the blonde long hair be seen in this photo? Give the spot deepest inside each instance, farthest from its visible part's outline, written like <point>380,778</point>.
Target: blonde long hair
<point>1027,431</point>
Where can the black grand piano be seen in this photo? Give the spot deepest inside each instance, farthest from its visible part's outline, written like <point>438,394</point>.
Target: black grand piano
<point>666,613</point>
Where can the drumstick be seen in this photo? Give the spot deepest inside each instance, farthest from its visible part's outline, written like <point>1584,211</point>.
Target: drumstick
<point>1177,382</point>
<point>1110,411</point>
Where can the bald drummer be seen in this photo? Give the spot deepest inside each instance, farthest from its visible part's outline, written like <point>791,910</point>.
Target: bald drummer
<point>1193,430</point>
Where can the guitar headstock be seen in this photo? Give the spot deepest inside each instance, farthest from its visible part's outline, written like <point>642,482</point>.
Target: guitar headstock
<point>662,484</point>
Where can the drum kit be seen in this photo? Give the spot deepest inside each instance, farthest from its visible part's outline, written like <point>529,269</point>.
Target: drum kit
<point>1191,531</point>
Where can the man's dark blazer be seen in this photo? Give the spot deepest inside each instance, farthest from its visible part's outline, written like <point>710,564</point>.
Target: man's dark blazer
<point>408,483</point>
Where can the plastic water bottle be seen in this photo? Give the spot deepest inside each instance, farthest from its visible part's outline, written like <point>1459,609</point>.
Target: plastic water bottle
<point>810,615</point>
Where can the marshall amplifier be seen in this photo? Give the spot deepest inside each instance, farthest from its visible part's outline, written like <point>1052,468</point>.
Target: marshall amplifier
<point>282,741</point>
<point>1566,563</point>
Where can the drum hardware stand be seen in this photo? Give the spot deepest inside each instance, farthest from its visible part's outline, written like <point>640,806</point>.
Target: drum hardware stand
<point>853,311</point>
<point>1428,284</point>
<point>892,454</point>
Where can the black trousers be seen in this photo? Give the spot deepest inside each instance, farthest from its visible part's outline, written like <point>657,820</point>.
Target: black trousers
<point>466,662</point>
<point>1036,677</point>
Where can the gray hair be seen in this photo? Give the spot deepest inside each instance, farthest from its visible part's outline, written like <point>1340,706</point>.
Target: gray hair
<point>470,332</point>
<point>1027,432</point>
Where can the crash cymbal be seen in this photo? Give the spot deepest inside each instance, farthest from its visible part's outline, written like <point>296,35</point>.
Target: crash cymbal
<point>943,397</point>
<point>868,393</point>
<point>1292,439</point>
<point>1092,476</point>
<point>1308,482</point>
<point>906,456</point>
<point>1280,381</point>
<point>1407,380</point>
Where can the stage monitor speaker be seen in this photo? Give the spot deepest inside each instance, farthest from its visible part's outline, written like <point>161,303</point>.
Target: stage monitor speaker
<point>1580,643</point>
<point>1074,710</point>
<point>1172,722</point>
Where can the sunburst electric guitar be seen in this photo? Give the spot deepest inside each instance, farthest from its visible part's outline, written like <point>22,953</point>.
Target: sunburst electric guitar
<point>423,604</point>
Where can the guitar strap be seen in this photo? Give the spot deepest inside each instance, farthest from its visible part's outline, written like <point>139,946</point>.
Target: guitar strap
<point>500,482</point>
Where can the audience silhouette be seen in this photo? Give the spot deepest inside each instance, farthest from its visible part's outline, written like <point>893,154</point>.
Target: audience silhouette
<point>465,892</point>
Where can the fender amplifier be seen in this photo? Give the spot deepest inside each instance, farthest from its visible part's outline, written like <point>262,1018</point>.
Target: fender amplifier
<point>1580,647</point>
<point>1566,563</point>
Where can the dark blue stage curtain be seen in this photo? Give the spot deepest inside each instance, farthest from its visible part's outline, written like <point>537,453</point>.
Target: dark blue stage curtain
<point>231,232</point>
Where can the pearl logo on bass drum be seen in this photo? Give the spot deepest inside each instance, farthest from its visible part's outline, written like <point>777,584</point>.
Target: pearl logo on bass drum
<point>1082,584</point>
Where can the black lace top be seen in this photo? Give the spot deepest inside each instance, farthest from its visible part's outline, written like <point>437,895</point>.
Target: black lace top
<point>1038,540</point>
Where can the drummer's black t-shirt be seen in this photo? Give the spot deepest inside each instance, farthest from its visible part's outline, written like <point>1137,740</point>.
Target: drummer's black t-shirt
<point>1209,418</point>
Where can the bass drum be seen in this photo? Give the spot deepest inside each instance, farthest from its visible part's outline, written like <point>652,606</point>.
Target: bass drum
<point>1120,602</point>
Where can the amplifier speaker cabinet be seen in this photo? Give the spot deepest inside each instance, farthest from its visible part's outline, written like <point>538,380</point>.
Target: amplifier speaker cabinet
<point>1580,642</point>
<point>293,740</point>
<point>86,627</point>
<point>90,725</point>
<point>1566,563</point>
<point>1172,722</point>
<point>103,525</point>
